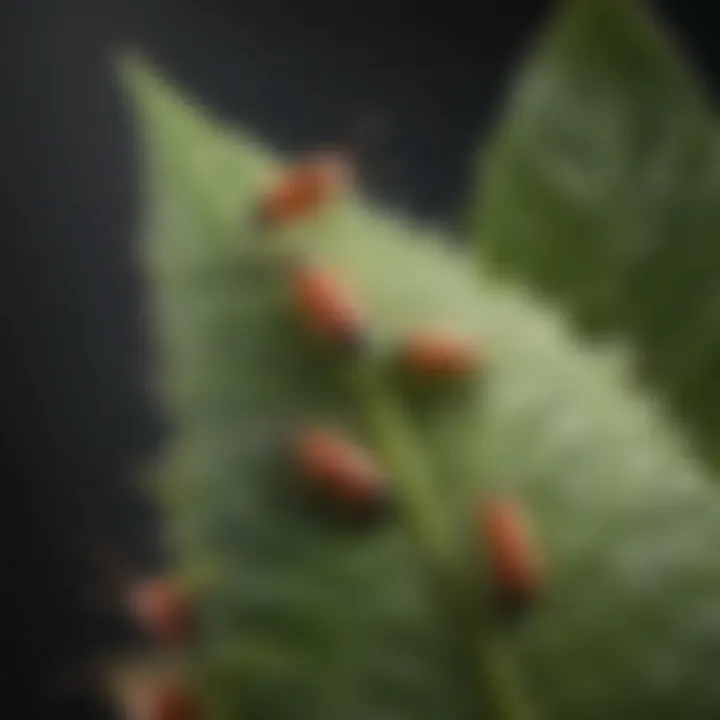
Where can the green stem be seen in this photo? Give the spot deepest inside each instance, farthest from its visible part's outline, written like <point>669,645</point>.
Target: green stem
<point>408,470</point>
<point>411,477</point>
<point>498,674</point>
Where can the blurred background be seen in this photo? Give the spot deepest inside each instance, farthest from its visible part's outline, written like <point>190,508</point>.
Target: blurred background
<point>419,85</point>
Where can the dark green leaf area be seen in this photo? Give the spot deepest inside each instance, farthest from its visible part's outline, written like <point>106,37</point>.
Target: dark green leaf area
<point>601,188</point>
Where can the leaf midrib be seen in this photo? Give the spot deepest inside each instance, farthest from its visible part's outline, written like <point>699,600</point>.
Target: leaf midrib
<point>493,668</point>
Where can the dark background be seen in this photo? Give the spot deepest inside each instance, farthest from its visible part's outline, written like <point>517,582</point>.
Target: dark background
<point>76,416</point>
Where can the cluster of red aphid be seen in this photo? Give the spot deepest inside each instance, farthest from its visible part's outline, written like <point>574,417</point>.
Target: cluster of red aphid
<point>332,466</point>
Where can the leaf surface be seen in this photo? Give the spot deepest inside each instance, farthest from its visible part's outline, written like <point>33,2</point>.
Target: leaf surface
<point>301,618</point>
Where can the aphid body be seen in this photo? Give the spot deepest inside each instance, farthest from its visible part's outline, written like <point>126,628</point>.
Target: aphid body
<point>162,610</point>
<point>303,190</point>
<point>325,305</point>
<point>438,353</point>
<point>340,471</point>
<point>165,700</point>
<point>516,569</point>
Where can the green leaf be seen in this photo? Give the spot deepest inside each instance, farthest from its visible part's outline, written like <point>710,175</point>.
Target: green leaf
<point>301,618</point>
<point>602,188</point>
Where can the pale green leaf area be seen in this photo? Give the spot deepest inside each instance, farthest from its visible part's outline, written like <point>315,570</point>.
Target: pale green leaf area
<point>601,186</point>
<point>301,617</point>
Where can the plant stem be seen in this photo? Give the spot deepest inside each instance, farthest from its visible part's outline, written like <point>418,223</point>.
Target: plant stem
<point>409,472</point>
<point>499,676</point>
<point>435,538</point>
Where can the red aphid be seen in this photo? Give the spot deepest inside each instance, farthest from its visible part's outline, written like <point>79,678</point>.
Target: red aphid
<point>326,307</point>
<point>437,353</point>
<point>304,189</point>
<point>339,470</point>
<point>166,700</point>
<point>516,568</point>
<point>162,609</point>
